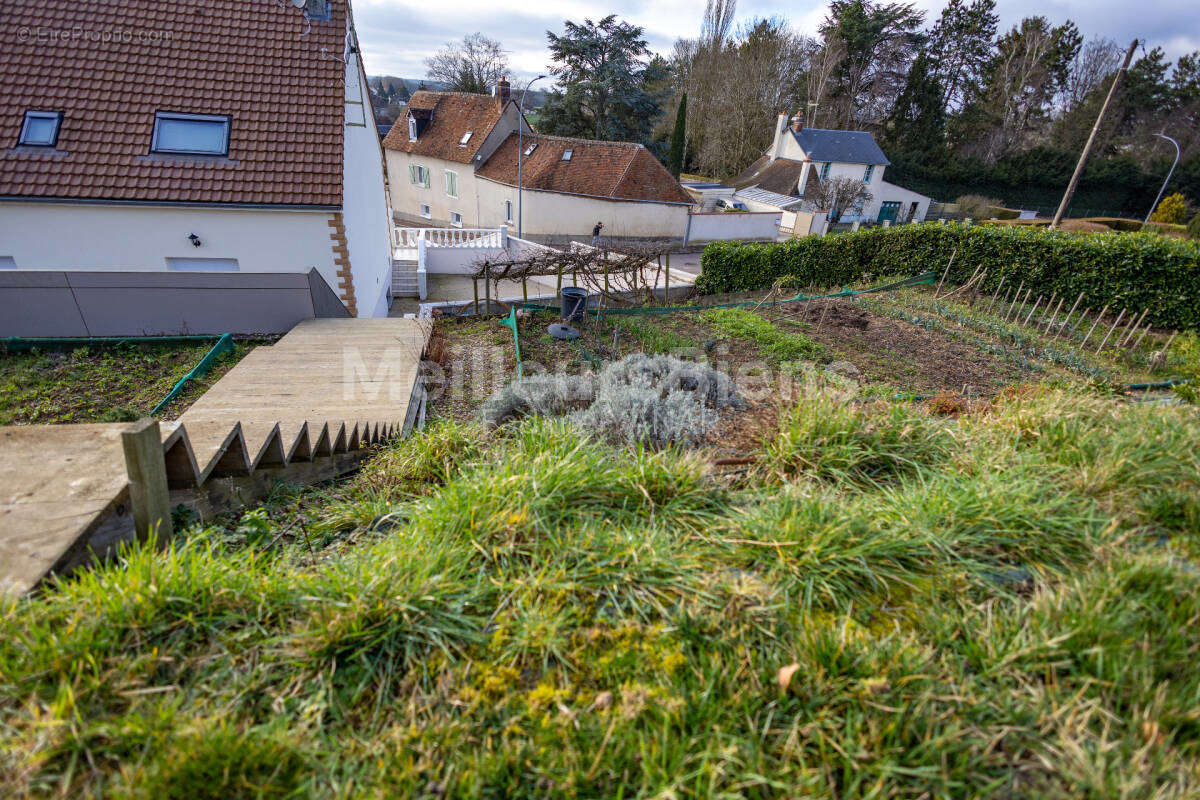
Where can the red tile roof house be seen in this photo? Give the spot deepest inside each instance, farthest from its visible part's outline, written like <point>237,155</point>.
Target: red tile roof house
<point>225,135</point>
<point>452,160</point>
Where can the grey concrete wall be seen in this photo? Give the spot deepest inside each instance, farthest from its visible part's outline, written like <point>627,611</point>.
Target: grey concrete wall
<point>37,303</point>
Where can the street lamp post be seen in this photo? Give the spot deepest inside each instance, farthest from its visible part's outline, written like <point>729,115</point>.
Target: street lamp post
<point>1169,174</point>
<point>521,156</point>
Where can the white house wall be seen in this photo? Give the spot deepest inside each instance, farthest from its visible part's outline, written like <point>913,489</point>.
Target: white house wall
<point>558,214</point>
<point>906,197</point>
<point>716,226</point>
<point>133,237</point>
<point>365,210</point>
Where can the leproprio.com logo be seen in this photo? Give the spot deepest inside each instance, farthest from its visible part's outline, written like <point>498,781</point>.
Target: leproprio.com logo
<point>79,34</point>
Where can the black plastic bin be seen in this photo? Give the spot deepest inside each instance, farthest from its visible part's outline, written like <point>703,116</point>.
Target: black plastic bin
<point>574,302</point>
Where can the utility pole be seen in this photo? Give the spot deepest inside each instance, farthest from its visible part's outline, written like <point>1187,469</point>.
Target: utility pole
<point>1087,148</point>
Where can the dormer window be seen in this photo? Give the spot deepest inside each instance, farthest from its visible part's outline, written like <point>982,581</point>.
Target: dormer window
<point>412,129</point>
<point>466,137</point>
<point>191,134</point>
<point>567,155</point>
<point>529,150</point>
<point>40,128</point>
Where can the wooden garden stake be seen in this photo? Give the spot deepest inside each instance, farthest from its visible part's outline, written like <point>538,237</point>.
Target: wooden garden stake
<point>944,273</point>
<point>996,294</point>
<point>824,312</point>
<point>1103,311</point>
<point>1054,314</point>
<point>1104,341</point>
<point>1024,302</point>
<point>1141,336</point>
<point>1132,329</point>
<point>667,282</point>
<point>1161,359</point>
<point>1029,316</point>
<point>1072,311</point>
<point>1020,286</point>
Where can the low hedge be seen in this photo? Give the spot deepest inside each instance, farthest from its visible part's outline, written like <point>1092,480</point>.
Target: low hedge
<point>1134,271</point>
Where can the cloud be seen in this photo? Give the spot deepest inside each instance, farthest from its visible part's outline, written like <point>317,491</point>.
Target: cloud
<point>397,35</point>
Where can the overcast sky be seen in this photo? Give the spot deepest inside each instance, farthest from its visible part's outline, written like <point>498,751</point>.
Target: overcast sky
<point>397,35</point>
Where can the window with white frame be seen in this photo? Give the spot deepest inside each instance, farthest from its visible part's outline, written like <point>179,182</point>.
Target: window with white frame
<point>426,211</point>
<point>529,150</point>
<point>566,156</point>
<point>508,211</point>
<point>412,129</point>
<point>825,168</point>
<point>40,128</point>
<point>466,137</point>
<point>418,175</point>
<point>190,134</point>
<point>456,219</point>
<point>868,172</point>
<point>451,183</point>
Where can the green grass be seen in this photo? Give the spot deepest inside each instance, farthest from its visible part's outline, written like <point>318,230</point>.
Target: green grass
<point>779,344</point>
<point>1006,604</point>
<point>101,384</point>
<point>654,337</point>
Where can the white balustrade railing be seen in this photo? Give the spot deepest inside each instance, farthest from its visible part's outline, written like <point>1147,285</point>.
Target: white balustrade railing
<point>451,237</point>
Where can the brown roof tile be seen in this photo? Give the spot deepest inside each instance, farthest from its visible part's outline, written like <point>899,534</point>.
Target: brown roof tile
<point>780,176</point>
<point>108,66</point>
<point>613,170</point>
<point>453,114</point>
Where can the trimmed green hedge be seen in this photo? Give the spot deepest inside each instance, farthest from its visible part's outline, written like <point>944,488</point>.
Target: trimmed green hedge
<point>1125,270</point>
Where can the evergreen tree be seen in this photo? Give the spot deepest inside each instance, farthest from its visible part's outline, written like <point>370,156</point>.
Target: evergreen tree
<point>918,123</point>
<point>609,91</point>
<point>678,138</point>
<point>960,46</point>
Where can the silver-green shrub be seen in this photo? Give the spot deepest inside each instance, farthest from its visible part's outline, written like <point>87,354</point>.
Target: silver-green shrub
<point>641,399</point>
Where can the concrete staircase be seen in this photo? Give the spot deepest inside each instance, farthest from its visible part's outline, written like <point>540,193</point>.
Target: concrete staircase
<point>404,277</point>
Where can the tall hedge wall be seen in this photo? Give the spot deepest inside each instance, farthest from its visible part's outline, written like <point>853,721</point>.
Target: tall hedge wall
<point>1127,270</point>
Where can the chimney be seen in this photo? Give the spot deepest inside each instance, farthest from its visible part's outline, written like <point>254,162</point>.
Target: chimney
<point>503,91</point>
<point>798,122</point>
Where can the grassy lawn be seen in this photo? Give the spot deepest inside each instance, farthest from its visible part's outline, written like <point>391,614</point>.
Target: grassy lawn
<point>102,384</point>
<point>998,597</point>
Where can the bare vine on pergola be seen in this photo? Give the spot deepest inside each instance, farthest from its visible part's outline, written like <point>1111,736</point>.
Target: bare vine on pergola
<point>622,275</point>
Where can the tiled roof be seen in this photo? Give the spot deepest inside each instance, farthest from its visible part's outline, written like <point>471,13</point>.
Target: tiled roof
<point>453,114</point>
<point>109,65</point>
<point>780,176</point>
<point>847,147</point>
<point>611,170</point>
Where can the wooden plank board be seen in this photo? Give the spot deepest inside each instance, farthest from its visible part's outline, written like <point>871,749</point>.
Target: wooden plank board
<point>56,481</point>
<point>344,381</point>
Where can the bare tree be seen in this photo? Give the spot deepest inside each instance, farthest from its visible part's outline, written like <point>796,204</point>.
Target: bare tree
<point>824,58</point>
<point>1098,59</point>
<point>836,196</point>
<point>474,65</point>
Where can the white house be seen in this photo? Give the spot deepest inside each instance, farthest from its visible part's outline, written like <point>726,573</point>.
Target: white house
<point>229,135</point>
<point>452,160</point>
<point>800,158</point>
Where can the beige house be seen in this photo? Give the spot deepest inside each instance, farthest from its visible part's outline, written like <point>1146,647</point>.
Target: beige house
<point>452,160</point>
<point>801,158</point>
